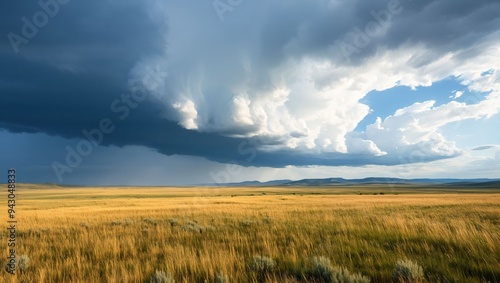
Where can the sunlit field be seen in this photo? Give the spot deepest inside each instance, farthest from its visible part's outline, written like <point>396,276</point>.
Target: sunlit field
<point>216,234</point>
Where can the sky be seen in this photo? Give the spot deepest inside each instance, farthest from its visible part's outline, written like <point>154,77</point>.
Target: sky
<point>171,92</point>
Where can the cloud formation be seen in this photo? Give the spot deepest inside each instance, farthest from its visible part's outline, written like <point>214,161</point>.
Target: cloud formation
<point>268,86</point>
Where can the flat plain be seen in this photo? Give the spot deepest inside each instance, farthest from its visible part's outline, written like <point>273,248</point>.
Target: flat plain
<point>125,234</point>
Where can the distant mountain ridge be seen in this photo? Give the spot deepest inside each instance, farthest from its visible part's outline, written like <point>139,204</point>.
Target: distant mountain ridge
<point>366,181</point>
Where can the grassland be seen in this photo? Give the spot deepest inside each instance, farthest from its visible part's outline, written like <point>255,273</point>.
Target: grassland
<point>126,234</point>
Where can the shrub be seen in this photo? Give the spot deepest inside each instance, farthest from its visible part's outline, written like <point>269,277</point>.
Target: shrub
<point>162,277</point>
<point>408,271</point>
<point>323,271</point>
<point>263,264</point>
<point>322,268</point>
<point>23,263</point>
<point>221,278</point>
<point>342,275</point>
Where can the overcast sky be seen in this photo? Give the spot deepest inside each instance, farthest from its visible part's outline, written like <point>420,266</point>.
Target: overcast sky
<point>184,92</point>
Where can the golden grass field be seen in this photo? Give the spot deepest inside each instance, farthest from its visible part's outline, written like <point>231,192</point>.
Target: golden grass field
<point>126,234</point>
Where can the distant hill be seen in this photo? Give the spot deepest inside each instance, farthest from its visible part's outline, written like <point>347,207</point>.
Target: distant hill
<point>482,185</point>
<point>493,183</point>
<point>254,184</point>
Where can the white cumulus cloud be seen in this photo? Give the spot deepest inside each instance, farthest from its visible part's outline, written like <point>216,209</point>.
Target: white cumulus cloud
<point>311,103</point>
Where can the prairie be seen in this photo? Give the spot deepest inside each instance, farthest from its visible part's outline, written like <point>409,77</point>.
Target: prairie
<point>125,234</point>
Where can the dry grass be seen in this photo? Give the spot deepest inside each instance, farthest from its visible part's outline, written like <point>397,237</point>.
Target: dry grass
<point>126,234</point>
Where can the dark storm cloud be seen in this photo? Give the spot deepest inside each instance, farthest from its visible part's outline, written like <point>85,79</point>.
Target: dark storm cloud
<point>444,25</point>
<point>65,78</point>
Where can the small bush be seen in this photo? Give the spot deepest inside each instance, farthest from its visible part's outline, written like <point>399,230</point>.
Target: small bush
<point>322,268</point>
<point>323,271</point>
<point>221,278</point>
<point>342,275</point>
<point>408,271</point>
<point>263,264</point>
<point>23,263</point>
<point>162,277</point>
